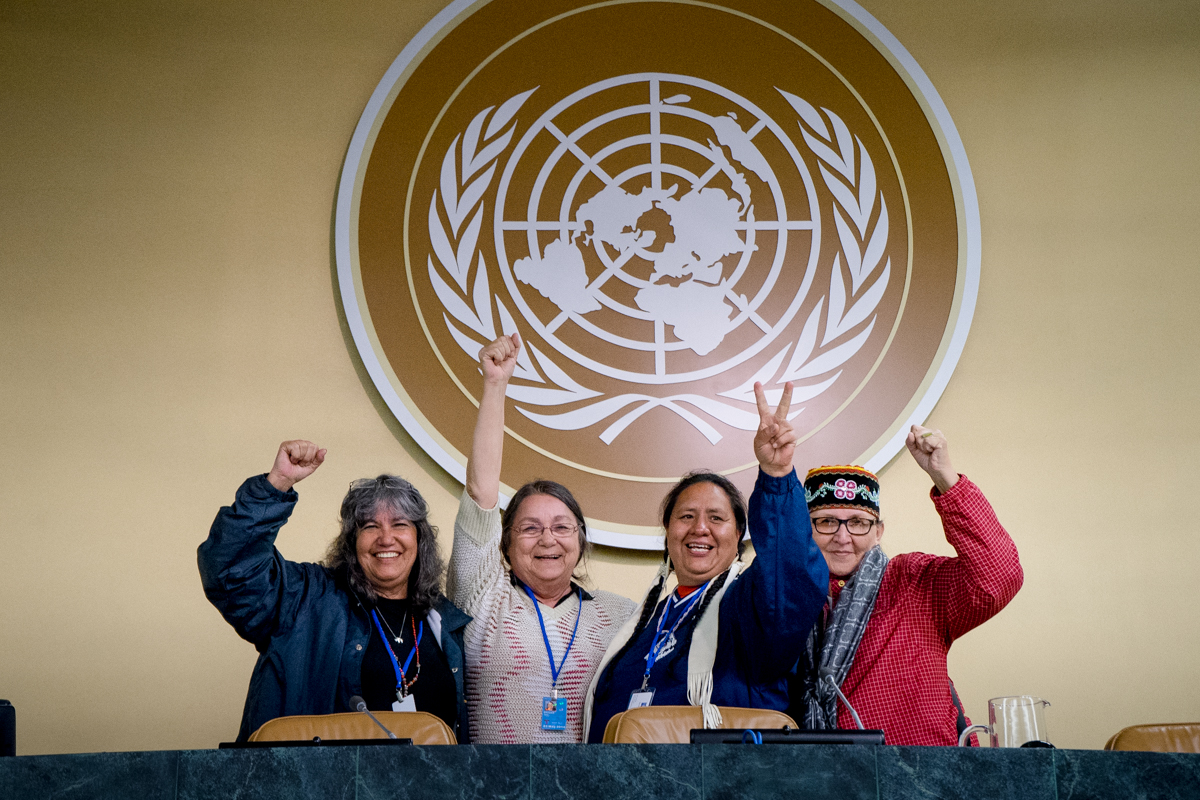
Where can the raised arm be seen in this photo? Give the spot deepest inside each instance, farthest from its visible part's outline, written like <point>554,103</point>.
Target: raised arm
<point>254,587</point>
<point>929,449</point>
<point>973,587</point>
<point>784,589</point>
<point>775,440</point>
<point>497,362</point>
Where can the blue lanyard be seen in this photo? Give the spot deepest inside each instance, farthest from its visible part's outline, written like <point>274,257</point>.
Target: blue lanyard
<point>554,672</point>
<point>400,685</point>
<point>659,639</point>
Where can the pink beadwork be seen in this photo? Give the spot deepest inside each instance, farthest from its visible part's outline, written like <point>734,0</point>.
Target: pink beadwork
<point>844,489</point>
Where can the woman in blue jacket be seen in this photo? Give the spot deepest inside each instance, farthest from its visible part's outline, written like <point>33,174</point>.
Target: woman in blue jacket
<point>371,621</point>
<point>727,634</point>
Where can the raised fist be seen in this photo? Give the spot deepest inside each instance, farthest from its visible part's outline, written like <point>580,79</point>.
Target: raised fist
<point>295,461</point>
<point>498,359</point>
<point>930,451</point>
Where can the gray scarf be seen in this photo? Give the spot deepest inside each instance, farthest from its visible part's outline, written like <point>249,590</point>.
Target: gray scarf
<point>839,642</point>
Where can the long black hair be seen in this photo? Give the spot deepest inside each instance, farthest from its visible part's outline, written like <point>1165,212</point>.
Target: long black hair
<point>365,498</point>
<point>738,503</point>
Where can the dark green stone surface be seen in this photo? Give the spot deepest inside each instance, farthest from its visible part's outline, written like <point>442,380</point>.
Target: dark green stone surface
<point>605,772</point>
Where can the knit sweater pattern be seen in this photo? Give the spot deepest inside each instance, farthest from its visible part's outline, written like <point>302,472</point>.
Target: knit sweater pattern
<point>508,670</point>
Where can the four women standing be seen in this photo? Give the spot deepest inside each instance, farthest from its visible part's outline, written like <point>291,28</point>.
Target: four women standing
<point>545,659</point>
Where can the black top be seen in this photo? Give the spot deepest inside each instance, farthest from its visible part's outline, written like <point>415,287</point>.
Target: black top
<point>434,689</point>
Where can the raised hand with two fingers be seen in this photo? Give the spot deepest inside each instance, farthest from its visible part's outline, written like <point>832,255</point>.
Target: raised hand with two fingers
<point>775,440</point>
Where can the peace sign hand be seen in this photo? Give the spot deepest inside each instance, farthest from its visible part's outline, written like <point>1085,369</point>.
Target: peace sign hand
<point>775,441</point>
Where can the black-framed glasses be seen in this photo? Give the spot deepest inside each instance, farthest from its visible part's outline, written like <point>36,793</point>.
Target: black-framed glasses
<point>855,526</point>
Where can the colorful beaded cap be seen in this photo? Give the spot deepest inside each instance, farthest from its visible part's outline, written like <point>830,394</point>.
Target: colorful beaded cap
<point>842,487</point>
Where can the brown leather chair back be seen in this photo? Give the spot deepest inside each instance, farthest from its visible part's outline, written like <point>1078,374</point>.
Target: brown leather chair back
<point>674,724</point>
<point>1180,737</point>
<point>421,727</point>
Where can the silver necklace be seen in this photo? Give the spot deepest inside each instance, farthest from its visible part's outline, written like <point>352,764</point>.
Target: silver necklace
<point>399,639</point>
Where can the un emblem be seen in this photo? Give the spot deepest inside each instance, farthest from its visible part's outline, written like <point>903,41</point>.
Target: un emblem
<point>665,221</point>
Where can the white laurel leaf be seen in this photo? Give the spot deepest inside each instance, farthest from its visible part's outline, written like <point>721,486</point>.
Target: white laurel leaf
<point>804,345</point>
<point>558,377</point>
<point>867,303</point>
<point>539,396</point>
<point>825,153</point>
<point>524,369</point>
<point>453,303</point>
<point>866,186</point>
<point>876,244</point>
<point>837,301</point>
<point>802,394</point>
<point>614,430</point>
<point>850,249</point>
<point>449,185</point>
<point>474,191</point>
<point>464,342</point>
<point>834,358</point>
<point>845,198</point>
<point>466,246</point>
<point>806,112</point>
<point>471,142</point>
<point>733,417</point>
<point>506,112</point>
<point>745,392</point>
<point>845,143</point>
<point>586,416</point>
<point>441,245</point>
<point>482,300</point>
<point>493,149</point>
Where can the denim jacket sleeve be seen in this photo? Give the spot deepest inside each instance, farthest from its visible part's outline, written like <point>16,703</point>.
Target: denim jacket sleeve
<point>254,587</point>
<point>770,609</point>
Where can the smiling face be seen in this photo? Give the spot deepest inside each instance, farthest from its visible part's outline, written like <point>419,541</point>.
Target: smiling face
<point>843,551</point>
<point>387,549</point>
<point>543,560</point>
<point>702,536</point>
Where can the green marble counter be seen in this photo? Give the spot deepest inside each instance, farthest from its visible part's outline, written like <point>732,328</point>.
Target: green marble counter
<point>605,772</point>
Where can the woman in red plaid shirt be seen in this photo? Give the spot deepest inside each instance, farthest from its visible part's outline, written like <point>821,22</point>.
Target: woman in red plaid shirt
<point>882,639</point>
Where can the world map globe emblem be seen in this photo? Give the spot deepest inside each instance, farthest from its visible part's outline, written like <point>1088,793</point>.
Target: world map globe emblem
<point>658,225</point>
<point>775,199</point>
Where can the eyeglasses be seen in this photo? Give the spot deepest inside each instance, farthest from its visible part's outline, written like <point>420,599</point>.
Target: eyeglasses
<point>855,526</point>
<point>559,530</point>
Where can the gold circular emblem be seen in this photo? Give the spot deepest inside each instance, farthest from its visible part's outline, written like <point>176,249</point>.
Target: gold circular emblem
<point>669,201</point>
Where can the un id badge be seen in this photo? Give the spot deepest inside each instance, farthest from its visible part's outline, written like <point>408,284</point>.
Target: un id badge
<point>554,713</point>
<point>641,698</point>
<point>404,702</point>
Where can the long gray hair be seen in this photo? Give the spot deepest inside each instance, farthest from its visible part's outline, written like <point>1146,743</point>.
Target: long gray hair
<point>365,498</point>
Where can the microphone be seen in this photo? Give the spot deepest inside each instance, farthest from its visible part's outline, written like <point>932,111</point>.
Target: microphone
<point>827,676</point>
<point>358,704</point>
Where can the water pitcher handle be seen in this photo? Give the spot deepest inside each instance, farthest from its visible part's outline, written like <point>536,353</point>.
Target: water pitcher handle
<point>965,736</point>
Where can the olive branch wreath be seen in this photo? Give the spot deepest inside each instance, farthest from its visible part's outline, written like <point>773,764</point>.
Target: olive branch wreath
<point>455,219</point>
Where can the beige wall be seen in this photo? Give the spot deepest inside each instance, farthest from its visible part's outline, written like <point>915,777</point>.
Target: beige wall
<point>168,314</point>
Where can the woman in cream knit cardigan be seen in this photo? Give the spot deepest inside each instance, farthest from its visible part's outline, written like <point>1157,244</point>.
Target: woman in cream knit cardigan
<point>537,636</point>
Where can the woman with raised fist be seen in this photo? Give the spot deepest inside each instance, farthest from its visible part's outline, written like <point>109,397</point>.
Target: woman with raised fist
<point>371,621</point>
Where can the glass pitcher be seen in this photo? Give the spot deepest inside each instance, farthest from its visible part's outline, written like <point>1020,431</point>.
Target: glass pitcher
<point>1013,721</point>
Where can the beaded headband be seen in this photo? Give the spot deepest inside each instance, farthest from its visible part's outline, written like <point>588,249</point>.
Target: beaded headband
<point>842,487</point>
